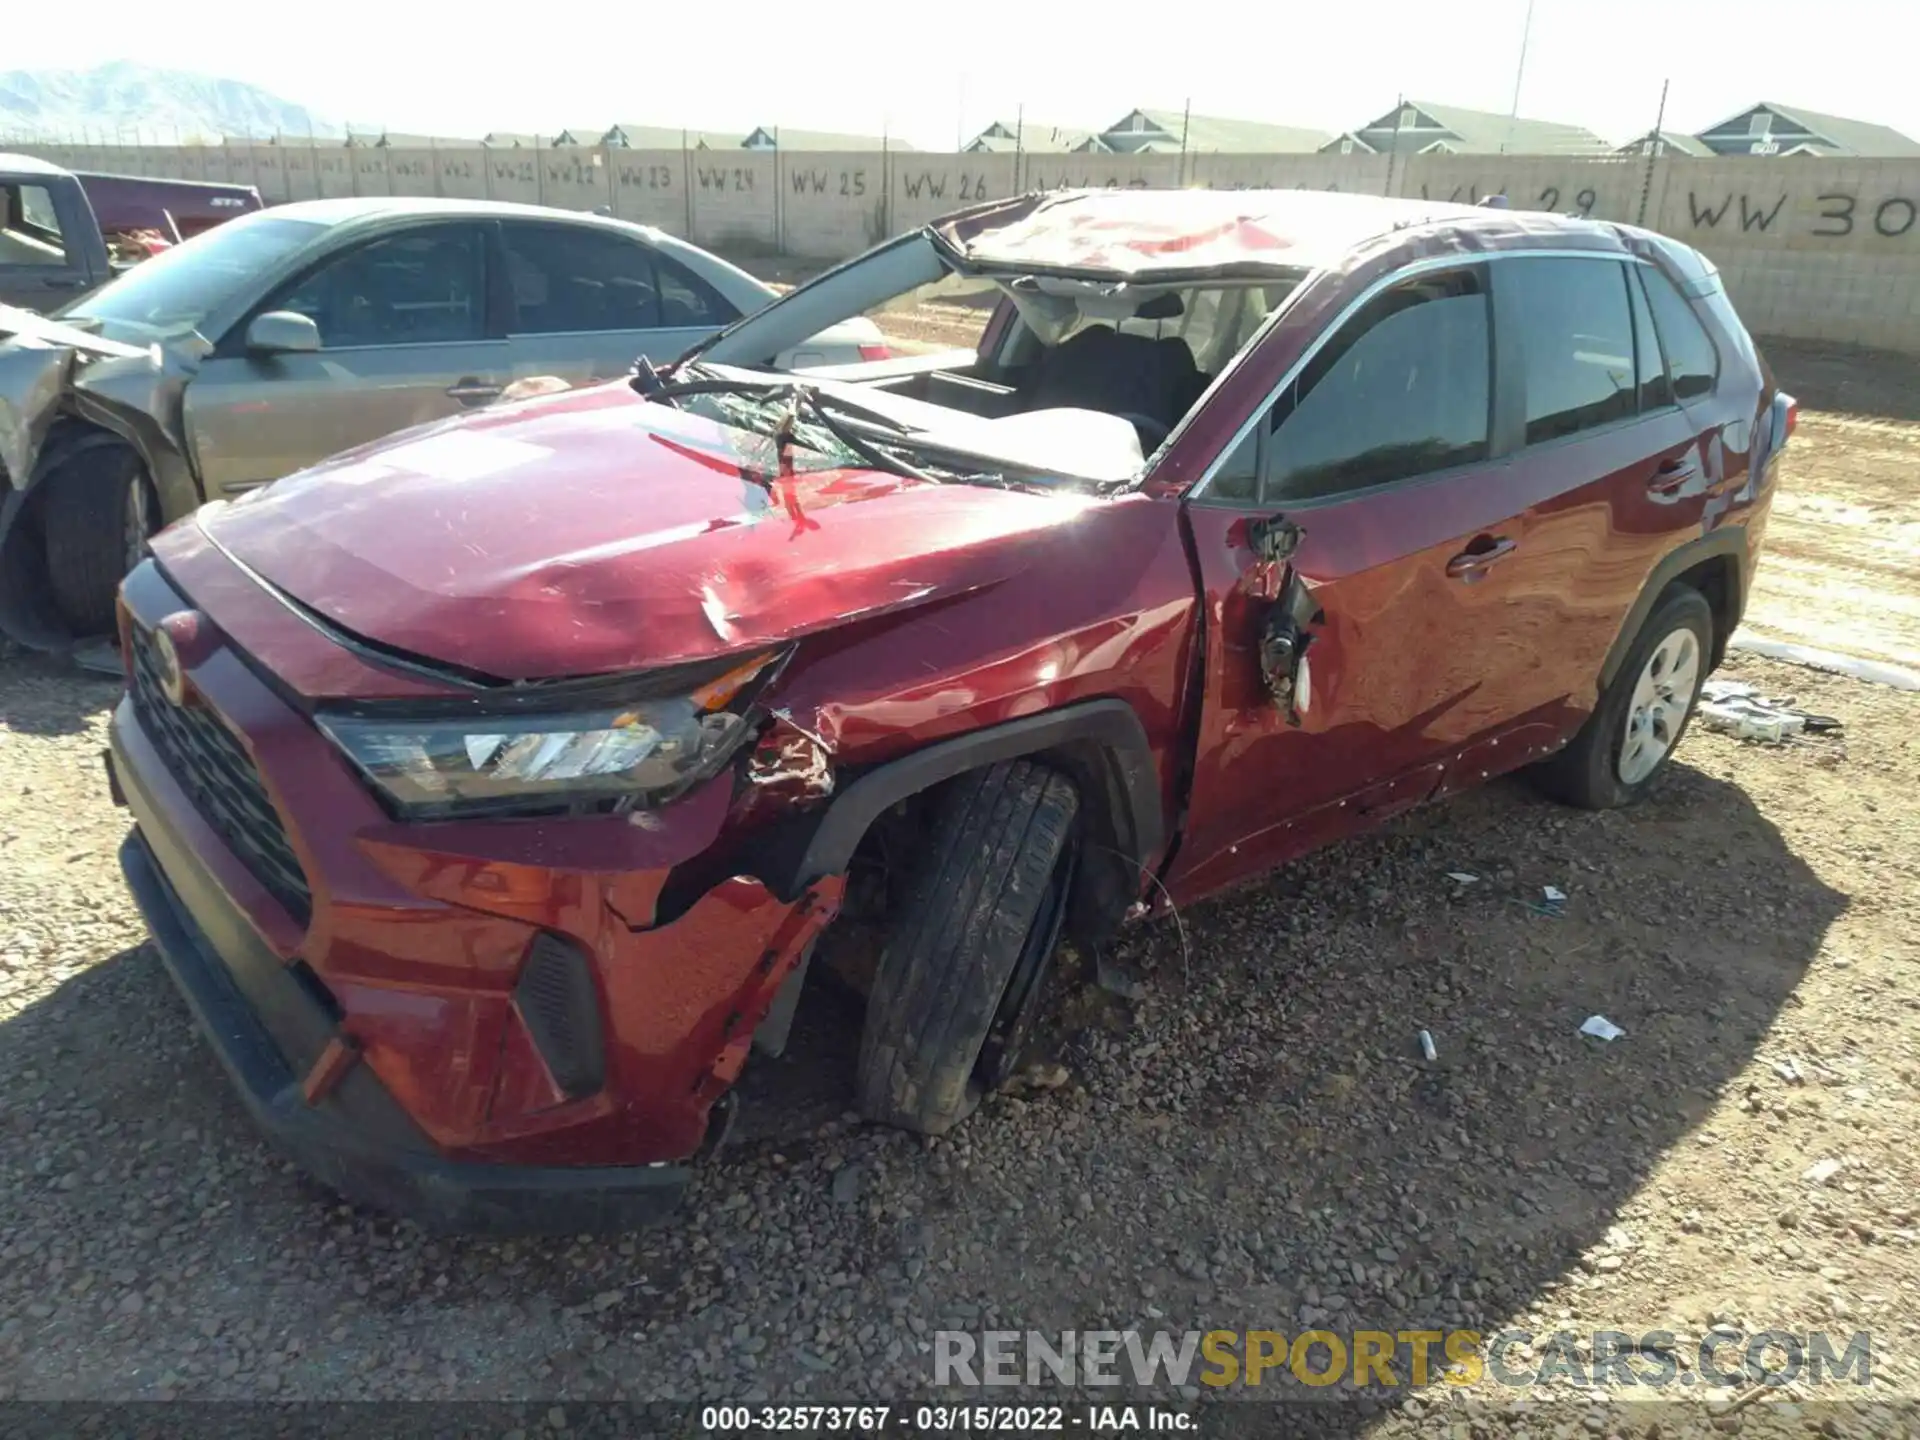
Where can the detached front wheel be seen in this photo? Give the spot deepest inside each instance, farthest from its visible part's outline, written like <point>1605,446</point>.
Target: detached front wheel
<point>98,514</point>
<point>961,979</point>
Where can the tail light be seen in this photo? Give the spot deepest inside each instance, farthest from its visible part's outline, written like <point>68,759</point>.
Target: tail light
<point>1784,417</point>
<point>875,352</point>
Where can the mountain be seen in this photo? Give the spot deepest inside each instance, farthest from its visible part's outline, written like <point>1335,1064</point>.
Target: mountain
<point>127,99</point>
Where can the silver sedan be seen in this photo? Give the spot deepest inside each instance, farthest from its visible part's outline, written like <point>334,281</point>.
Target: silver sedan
<point>285,336</point>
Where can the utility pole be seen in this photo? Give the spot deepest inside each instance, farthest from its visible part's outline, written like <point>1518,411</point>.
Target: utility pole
<point>1019,140</point>
<point>1519,74</point>
<point>1186,120</point>
<point>1654,146</point>
<point>1393,146</point>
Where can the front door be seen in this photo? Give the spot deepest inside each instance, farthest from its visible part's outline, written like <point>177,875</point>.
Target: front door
<point>404,338</point>
<point>41,267</point>
<point>1357,551</point>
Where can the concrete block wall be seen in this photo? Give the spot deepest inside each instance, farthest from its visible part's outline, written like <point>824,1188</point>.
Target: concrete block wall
<point>1814,249</point>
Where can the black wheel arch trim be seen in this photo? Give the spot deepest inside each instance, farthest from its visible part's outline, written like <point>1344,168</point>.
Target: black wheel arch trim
<point>1127,781</point>
<point>1729,542</point>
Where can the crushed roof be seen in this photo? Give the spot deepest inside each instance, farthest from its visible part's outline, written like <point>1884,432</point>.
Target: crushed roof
<point>1139,234</point>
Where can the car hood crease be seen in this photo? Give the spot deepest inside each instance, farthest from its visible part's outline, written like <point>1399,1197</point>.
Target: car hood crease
<point>593,532</point>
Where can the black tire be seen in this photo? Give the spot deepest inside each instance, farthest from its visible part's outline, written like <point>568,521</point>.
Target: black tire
<point>1587,773</point>
<point>93,500</point>
<point>992,877</point>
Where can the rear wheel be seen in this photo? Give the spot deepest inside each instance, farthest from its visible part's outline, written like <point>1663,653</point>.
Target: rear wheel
<point>98,515</point>
<point>1633,731</point>
<point>962,977</point>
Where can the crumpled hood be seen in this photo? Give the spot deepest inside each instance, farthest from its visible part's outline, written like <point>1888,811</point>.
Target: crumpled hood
<point>594,532</point>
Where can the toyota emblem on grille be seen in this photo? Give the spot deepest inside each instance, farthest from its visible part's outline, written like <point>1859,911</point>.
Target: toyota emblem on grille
<point>182,628</point>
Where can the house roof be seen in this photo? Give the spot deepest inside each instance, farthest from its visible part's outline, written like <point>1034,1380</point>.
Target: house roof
<point>513,139</point>
<point>789,138</point>
<point>668,137</point>
<point>395,140</point>
<point>1214,132</point>
<point>1857,137</point>
<point>1672,140</point>
<point>1034,135</point>
<point>1484,132</point>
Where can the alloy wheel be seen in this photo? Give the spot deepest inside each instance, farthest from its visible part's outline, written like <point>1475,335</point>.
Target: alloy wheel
<point>1661,698</point>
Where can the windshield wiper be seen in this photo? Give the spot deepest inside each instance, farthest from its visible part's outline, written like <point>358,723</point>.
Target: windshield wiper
<point>649,383</point>
<point>799,395</point>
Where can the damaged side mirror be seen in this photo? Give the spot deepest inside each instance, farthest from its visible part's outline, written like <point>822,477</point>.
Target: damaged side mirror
<point>1291,611</point>
<point>282,332</point>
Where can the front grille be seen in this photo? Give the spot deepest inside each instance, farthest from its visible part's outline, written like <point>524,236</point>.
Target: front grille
<point>214,768</point>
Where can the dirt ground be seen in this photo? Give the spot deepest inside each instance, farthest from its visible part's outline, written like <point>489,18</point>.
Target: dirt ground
<point>1843,549</point>
<point>1241,1134</point>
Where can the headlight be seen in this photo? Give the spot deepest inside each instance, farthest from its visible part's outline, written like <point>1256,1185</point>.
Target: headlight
<point>644,753</point>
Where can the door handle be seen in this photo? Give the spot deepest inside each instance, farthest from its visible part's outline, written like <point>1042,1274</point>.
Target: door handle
<point>470,389</point>
<point>64,282</point>
<point>1484,552</point>
<point>1674,475</point>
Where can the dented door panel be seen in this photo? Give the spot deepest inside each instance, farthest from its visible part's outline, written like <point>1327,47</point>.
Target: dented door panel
<point>1405,661</point>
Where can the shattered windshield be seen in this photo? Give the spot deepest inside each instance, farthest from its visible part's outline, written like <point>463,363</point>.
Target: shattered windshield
<point>1029,378</point>
<point>175,291</point>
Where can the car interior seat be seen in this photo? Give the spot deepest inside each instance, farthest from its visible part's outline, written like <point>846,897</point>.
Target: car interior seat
<point>1149,381</point>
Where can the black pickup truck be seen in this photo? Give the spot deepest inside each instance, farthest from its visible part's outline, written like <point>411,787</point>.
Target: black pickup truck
<point>64,232</point>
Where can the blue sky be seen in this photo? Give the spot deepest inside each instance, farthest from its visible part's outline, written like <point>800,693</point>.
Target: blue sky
<point>927,73</point>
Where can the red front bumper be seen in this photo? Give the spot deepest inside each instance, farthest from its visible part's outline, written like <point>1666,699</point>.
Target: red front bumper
<point>419,934</point>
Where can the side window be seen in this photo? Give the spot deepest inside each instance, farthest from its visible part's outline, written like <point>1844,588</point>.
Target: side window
<point>30,227</point>
<point>687,301</point>
<point>1402,390</point>
<point>1692,362</point>
<point>1576,333</point>
<point>1238,478</point>
<point>1650,369</point>
<point>422,287</point>
<point>568,278</point>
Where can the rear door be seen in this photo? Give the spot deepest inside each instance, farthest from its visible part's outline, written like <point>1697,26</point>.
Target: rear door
<point>585,301</point>
<point>1357,552</point>
<point>405,339</point>
<point>1608,466</point>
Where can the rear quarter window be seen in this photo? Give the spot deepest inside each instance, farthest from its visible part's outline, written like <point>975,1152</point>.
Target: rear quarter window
<point>1693,365</point>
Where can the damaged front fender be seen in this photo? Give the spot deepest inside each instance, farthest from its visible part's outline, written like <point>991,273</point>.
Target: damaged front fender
<point>50,372</point>
<point>36,368</point>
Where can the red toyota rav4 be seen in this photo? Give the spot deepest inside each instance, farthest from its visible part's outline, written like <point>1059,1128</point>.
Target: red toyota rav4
<point>496,784</point>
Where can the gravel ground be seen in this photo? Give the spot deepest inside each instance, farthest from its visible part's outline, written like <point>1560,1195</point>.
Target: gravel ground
<point>1248,1138</point>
